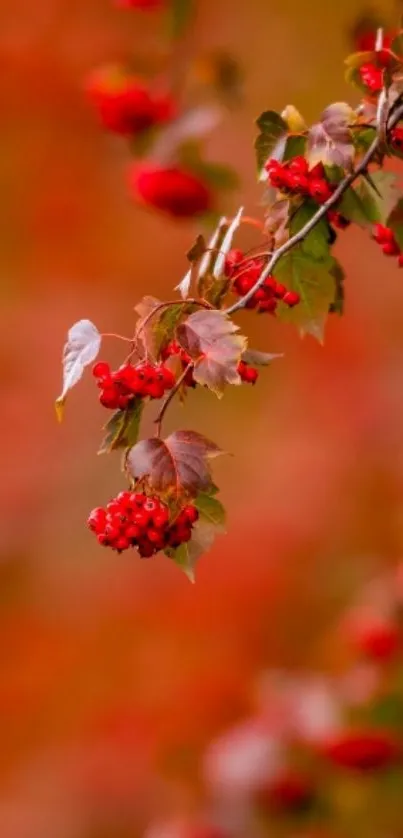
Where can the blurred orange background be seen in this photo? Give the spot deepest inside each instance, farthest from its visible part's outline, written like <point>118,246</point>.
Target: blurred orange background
<point>116,673</point>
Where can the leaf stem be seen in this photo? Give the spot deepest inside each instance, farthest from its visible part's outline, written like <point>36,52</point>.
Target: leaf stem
<point>344,184</point>
<point>113,335</point>
<point>170,397</point>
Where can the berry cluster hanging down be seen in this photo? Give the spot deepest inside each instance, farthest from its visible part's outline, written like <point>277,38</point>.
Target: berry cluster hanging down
<point>319,181</point>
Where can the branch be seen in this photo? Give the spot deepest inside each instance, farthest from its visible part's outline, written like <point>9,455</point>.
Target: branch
<point>172,394</point>
<point>324,208</point>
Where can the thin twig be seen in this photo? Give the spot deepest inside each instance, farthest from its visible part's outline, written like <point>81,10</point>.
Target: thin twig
<point>322,211</point>
<point>172,394</point>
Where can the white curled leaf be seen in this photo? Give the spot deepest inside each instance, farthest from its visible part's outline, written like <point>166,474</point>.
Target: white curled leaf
<point>82,347</point>
<point>226,244</point>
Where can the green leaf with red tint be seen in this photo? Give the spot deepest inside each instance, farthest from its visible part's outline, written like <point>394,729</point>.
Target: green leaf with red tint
<point>362,204</point>
<point>122,430</point>
<point>160,329</point>
<point>317,242</point>
<point>210,524</point>
<point>295,146</point>
<point>177,466</point>
<point>270,142</point>
<point>330,141</point>
<point>314,282</point>
<point>210,339</point>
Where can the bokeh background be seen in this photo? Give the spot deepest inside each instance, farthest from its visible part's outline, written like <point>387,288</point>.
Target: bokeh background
<point>115,673</point>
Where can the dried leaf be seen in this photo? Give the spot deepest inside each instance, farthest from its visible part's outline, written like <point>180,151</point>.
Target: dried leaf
<point>197,250</point>
<point>259,359</point>
<point>323,148</point>
<point>177,466</point>
<point>276,222</point>
<point>81,349</point>
<point>227,243</point>
<point>210,339</point>
<point>161,327</point>
<point>122,430</point>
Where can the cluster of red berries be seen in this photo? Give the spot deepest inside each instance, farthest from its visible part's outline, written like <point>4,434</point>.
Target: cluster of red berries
<point>134,519</point>
<point>119,388</point>
<point>246,272</point>
<point>385,237</point>
<point>372,77</point>
<point>125,104</point>
<point>396,137</point>
<point>296,177</point>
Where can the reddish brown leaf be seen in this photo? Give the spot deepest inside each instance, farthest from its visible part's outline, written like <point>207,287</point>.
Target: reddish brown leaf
<point>178,465</point>
<point>330,141</point>
<point>209,338</point>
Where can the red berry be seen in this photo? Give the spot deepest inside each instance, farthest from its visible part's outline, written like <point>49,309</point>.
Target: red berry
<point>178,192</point>
<point>232,260</point>
<point>317,172</point>
<point>377,639</point>
<point>298,182</point>
<point>320,190</point>
<point>109,398</point>
<point>268,305</point>
<point>167,377</point>
<point>122,543</point>
<point>383,234</point>
<point>96,520</point>
<point>247,373</point>
<point>298,165</point>
<point>372,77</point>
<point>400,260</point>
<point>396,137</point>
<point>191,514</point>
<point>141,518</point>
<point>100,370</point>
<point>391,248</point>
<point>160,518</point>
<point>362,751</point>
<point>133,532</point>
<point>146,549</point>
<point>142,5</point>
<point>291,298</point>
<point>155,390</point>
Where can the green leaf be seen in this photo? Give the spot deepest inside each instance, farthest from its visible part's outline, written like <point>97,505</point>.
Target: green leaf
<point>210,509</point>
<point>259,359</point>
<point>314,282</point>
<point>122,430</point>
<point>353,63</point>
<point>295,146</point>
<point>361,203</point>
<point>363,138</point>
<point>210,524</point>
<point>397,45</point>
<point>214,290</point>
<point>181,12</point>
<point>272,131</point>
<point>316,243</point>
<point>395,222</point>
